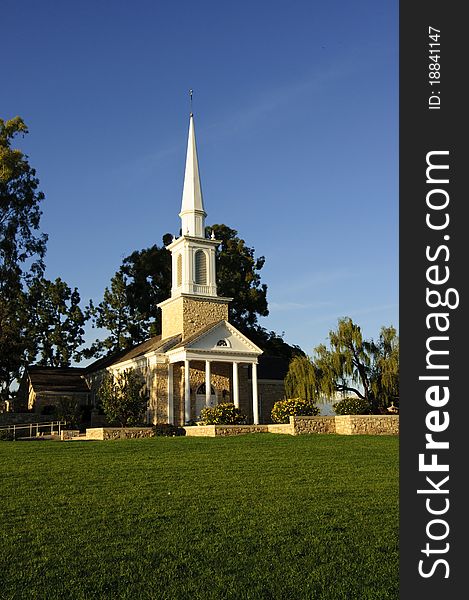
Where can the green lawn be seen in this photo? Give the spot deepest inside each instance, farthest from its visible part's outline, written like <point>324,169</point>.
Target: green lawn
<point>255,516</point>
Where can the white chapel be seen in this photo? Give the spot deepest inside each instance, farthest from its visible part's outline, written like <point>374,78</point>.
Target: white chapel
<point>200,359</point>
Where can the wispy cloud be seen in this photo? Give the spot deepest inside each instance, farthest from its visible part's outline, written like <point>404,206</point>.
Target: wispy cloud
<point>265,103</point>
<point>353,312</point>
<point>290,306</point>
<point>316,278</point>
<point>259,106</point>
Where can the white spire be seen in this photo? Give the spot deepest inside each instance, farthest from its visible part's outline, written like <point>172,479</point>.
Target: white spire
<point>192,208</point>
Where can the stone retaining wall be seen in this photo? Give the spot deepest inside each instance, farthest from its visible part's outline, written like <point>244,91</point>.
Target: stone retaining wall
<point>224,430</point>
<point>284,428</point>
<point>367,424</point>
<point>302,425</point>
<point>69,434</point>
<point>118,433</point>
<point>342,425</point>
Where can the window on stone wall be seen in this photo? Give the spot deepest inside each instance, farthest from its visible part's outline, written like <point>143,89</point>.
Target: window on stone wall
<point>223,343</point>
<point>179,270</point>
<point>200,268</point>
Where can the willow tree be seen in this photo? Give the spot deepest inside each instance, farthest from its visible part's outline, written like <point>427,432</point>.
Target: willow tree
<point>301,380</point>
<point>350,364</point>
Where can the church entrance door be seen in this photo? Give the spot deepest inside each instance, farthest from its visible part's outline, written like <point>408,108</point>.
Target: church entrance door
<point>200,398</point>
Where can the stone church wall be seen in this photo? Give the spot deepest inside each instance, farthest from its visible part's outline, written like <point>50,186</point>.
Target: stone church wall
<point>269,391</point>
<point>178,394</point>
<point>200,313</point>
<point>188,315</point>
<point>159,394</point>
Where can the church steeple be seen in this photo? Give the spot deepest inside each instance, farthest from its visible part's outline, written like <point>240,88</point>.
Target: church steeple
<point>194,302</point>
<point>192,208</point>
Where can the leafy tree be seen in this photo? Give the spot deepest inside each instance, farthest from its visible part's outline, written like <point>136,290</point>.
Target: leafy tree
<point>148,274</point>
<point>17,347</point>
<point>22,251</point>
<point>129,310</point>
<point>301,379</point>
<point>56,321</point>
<point>239,278</point>
<point>19,209</point>
<point>273,344</point>
<point>123,397</point>
<point>351,364</point>
<point>116,316</point>
<point>238,275</point>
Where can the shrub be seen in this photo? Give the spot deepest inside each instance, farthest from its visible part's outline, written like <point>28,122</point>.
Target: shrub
<point>167,430</point>
<point>6,435</point>
<point>292,407</point>
<point>222,414</point>
<point>352,406</point>
<point>123,397</point>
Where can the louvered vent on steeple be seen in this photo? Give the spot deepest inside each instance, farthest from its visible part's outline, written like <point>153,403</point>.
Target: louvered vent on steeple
<point>200,268</point>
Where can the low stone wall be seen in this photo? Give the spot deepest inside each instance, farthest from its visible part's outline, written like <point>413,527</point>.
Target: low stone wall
<point>224,430</point>
<point>118,433</point>
<point>69,434</point>
<point>342,425</point>
<point>285,428</point>
<point>305,425</point>
<point>367,424</point>
<point>200,430</point>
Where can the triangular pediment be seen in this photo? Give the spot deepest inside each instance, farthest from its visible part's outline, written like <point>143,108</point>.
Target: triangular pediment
<point>221,337</point>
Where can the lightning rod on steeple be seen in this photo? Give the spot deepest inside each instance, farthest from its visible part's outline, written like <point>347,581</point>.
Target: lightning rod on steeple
<point>190,96</point>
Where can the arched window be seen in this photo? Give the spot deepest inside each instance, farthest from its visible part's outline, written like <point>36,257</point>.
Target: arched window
<point>179,270</point>
<point>200,268</point>
<point>223,343</point>
<point>201,389</point>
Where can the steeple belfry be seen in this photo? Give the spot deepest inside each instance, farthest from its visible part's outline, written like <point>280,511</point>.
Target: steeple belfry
<point>192,208</point>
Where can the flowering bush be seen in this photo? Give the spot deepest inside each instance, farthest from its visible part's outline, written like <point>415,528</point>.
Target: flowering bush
<point>292,407</point>
<point>222,414</point>
<point>352,406</point>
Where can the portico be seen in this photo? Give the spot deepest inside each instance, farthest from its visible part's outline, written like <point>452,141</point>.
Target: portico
<point>219,343</point>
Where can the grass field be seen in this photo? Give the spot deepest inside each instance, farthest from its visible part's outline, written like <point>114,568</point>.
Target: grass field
<point>256,516</point>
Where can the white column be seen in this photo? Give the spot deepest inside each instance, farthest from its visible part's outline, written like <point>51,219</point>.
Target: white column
<point>186,269</point>
<point>187,392</point>
<point>235,385</point>
<point>208,385</point>
<point>170,394</point>
<point>255,403</point>
<point>213,274</point>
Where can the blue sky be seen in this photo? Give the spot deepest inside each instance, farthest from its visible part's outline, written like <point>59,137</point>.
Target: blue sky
<point>296,115</point>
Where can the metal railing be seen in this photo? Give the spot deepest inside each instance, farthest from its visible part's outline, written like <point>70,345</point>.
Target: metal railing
<point>35,429</point>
